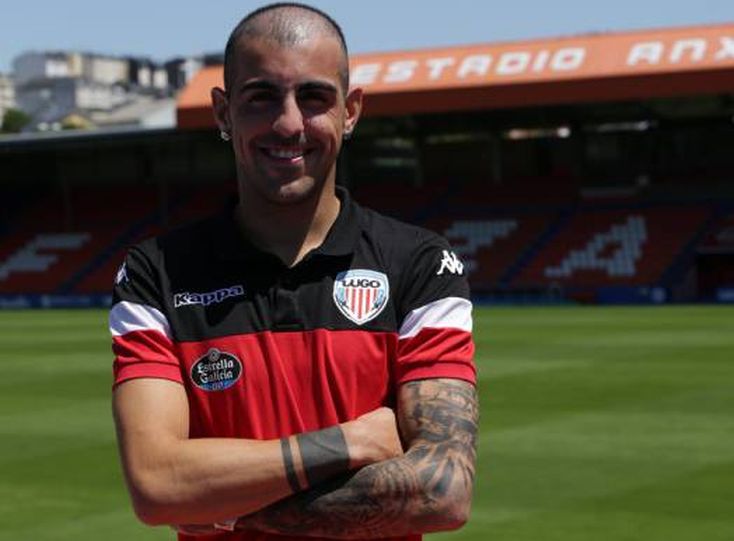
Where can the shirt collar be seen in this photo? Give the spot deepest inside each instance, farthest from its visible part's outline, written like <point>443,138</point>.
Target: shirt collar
<point>344,233</point>
<point>340,240</point>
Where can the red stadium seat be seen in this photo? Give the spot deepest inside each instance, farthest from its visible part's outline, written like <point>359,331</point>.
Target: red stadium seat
<point>614,247</point>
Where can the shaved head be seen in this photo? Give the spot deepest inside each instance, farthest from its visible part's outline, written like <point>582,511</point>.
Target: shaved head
<point>287,24</point>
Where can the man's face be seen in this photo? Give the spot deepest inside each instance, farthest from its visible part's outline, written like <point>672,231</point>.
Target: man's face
<point>286,113</point>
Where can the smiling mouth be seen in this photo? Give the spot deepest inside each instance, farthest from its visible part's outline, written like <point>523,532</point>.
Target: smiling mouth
<point>286,155</point>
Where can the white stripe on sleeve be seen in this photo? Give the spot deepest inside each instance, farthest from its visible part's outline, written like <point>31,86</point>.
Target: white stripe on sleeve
<point>448,313</point>
<point>127,316</point>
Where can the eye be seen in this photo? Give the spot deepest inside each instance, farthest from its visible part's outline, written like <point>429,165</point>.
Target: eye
<point>314,98</point>
<point>262,96</point>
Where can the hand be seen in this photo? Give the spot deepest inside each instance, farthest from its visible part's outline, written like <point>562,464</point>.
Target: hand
<point>373,437</point>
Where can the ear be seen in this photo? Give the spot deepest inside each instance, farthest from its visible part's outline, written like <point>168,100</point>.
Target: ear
<point>353,106</point>
<point>220,108</point>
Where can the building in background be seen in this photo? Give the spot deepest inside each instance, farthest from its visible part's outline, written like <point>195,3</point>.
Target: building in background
<point>593,168</point>
<point>7,94</point>
<point>64,90</point>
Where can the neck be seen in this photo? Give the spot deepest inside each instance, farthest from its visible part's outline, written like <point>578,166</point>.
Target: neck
<point>289,231</point>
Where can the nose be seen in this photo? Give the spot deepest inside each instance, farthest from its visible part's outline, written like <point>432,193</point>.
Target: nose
<point>289,121</point>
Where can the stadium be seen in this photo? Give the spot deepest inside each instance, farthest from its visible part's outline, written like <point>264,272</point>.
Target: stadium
<point>569,174</point>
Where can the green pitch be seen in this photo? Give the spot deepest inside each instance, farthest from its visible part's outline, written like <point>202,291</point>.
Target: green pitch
<point>597,424</point>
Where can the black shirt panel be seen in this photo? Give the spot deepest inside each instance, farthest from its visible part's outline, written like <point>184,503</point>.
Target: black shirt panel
<point>137,279</point>
<point>414,256</point>
<point>212,282</point>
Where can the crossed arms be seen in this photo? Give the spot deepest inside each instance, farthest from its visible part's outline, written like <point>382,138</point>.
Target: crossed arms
<point>385,492</point>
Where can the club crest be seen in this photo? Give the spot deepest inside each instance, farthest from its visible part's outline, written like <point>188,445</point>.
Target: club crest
<point>361,294</point>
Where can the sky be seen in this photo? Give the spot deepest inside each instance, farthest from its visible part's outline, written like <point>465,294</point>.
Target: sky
<point>162,29</point>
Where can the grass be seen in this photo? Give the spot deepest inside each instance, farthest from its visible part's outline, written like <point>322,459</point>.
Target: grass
<point>597,423</point>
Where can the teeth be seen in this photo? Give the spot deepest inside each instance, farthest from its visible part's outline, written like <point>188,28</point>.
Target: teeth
<point>285,154</point>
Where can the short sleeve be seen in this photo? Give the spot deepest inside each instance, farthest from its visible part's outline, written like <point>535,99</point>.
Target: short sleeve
<point>435,316</point>
<point>141,334</point>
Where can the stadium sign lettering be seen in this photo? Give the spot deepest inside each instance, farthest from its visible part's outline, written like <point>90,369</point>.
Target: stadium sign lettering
<point>205,299</point>
<point>726,49</point>
<point>482,64</point>
<point>690,50</point>
<point>475,65</point>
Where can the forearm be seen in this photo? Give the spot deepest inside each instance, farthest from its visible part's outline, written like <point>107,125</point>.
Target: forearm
<point>173,479</point>
<point>423,491</point>
<point>205,480</point>
<point>209,480</point>
<point>427,489</point>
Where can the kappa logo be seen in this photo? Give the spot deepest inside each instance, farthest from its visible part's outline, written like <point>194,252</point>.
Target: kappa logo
<point>451,264</point>
<point>121,274</point>
<point>361,294</point>
<point>205,299</point>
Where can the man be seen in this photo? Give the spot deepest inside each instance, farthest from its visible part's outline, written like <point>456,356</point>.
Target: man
<point>260,354</point>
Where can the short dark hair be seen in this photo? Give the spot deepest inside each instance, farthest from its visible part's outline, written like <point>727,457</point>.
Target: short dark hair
<point>281,31</point>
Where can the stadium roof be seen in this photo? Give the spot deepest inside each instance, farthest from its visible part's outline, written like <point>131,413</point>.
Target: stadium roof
<point>588,68</point>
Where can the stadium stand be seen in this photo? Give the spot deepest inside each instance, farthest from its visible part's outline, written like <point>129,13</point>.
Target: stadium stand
<point>715,260</point>
<point>720,238</point>
<point>627,246</point>
<point>50,249</point>
<point>552,191</point>
<point>401,199</point>
<point>581,167</point>
<point>492,241</point>
<point>503,246</point>
<point>196,202</point>
<point>50,242</point>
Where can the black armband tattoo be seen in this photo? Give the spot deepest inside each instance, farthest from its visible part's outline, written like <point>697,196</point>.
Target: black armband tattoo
<point>290,470</point>
<point>324,454</point>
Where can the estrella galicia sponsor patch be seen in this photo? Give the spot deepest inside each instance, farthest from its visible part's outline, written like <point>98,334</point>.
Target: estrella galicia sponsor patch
<point>361,294</point>
<point>216,371</point>
<point>210,297</point>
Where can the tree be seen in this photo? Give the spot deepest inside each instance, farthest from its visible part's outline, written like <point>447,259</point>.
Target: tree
<point>14,120</point>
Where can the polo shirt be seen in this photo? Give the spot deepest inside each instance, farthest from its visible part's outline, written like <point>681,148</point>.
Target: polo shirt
<point>264,350</point>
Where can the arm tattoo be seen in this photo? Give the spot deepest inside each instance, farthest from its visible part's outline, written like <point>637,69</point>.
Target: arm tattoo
<point>442,423</point>
<point>413,493</point>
